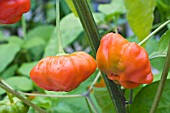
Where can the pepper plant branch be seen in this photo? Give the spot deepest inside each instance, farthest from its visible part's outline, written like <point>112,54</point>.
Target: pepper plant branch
<point>95,80</point>
<point>59,40</point>
<point>52,96</point>
<point>14,93</point>
<point>90,28</point>
<point>162,82</point>
<point>157,56</point>
<point>154,32</point>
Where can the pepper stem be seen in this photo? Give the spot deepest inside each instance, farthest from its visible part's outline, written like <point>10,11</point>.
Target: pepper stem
<point>162,82</point>
<point>154,32</point>
<point>60,49</point>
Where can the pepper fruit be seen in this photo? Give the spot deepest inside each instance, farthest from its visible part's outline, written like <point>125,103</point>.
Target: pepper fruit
<point>63,73</point>
<point>12,10</point>
<point>16,107</point>
<point>124,62</point>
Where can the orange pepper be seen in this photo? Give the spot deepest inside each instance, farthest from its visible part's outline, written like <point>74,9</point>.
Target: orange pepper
<point>63,73</point>
<point>12,10</point>
<point>124,62</point>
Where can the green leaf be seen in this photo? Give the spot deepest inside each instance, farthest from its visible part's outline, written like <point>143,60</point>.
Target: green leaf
<point>164,9</point>
<point>71,105</point>
<point>10,71</point>
<point>140,16</point>
<point>162,47</point>
<point>71,6</point>
<point>20,83</point>
<point>35,46</point>
<point>43,102</point>
<point>43,32</point>
<point>7,52</point>
<point>26,68</point>
<point>115,7</point>
<point>2,91</point>
<point>103,98</point>
<point>144,99</point>
<point>16,40</point>
<point>70,29</point>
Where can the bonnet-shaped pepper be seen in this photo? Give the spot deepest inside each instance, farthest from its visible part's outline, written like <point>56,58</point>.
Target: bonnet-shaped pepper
<point>124,62</point>
<point>64,72</point>
<point>12,10</point>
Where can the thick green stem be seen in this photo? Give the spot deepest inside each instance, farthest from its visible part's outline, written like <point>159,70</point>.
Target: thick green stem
<point>162,82</point>
<point>154,32</point>
<point>59,40</point>
<point>14,93</point>
<point>90,28</point>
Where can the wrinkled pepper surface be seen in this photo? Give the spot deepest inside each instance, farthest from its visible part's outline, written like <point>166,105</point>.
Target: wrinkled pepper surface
<point>12,10</point>
<point>124,62</point>
<point>63,73</point>
<point>16,107</point>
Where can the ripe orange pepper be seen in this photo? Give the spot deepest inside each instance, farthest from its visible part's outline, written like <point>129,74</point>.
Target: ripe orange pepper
<point>12,10</point>
<point>63,73</point>
<point>124,62</point>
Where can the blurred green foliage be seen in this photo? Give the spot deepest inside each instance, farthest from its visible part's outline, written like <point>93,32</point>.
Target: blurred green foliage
<point>18,53</point>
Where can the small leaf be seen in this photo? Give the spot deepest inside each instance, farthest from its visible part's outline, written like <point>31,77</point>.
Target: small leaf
<point>71,6</point>
<point>144,99</point>
<point>103,98</point>
<point>26,68</point>
<point>35,46</point>
<point>16,40</point>
<point>115,7</point>
<point>2,91</point>
<point>7,52</point>
<point>43,32</point>
<point>20,83</point>
<point>10,71</point>
<point>140,16</point>
<point>70,29</point>
<point>162,47</point>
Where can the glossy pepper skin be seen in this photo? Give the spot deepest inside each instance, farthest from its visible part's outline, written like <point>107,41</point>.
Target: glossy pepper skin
<point>12,10</point>
<point>63,73</point>
<point>124,62</point>
<point>16,107</point>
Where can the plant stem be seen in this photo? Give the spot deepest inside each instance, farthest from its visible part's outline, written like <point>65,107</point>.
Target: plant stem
<point>21,98</point>
<point>53,96</point>
<point>88,105</point>
<point>162,82</point>
<point>90,28</point>
<point>90,102</point>
<point>10,98</point>
<point>155,31</point>
<point>23,22</point>
<point>59,40</point>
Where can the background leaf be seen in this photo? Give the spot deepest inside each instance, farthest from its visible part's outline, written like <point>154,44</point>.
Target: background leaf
<point>143,100</point>
<point>115,7</point>
<point>43,32</point>
<point>103,98</point>
<point>7,52</point>
<point>70,28</point>
<point>162,47</point>
<point>20,83</point>
<point>10,71</point>
<point>140,16</point>
<point>26,68</point>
